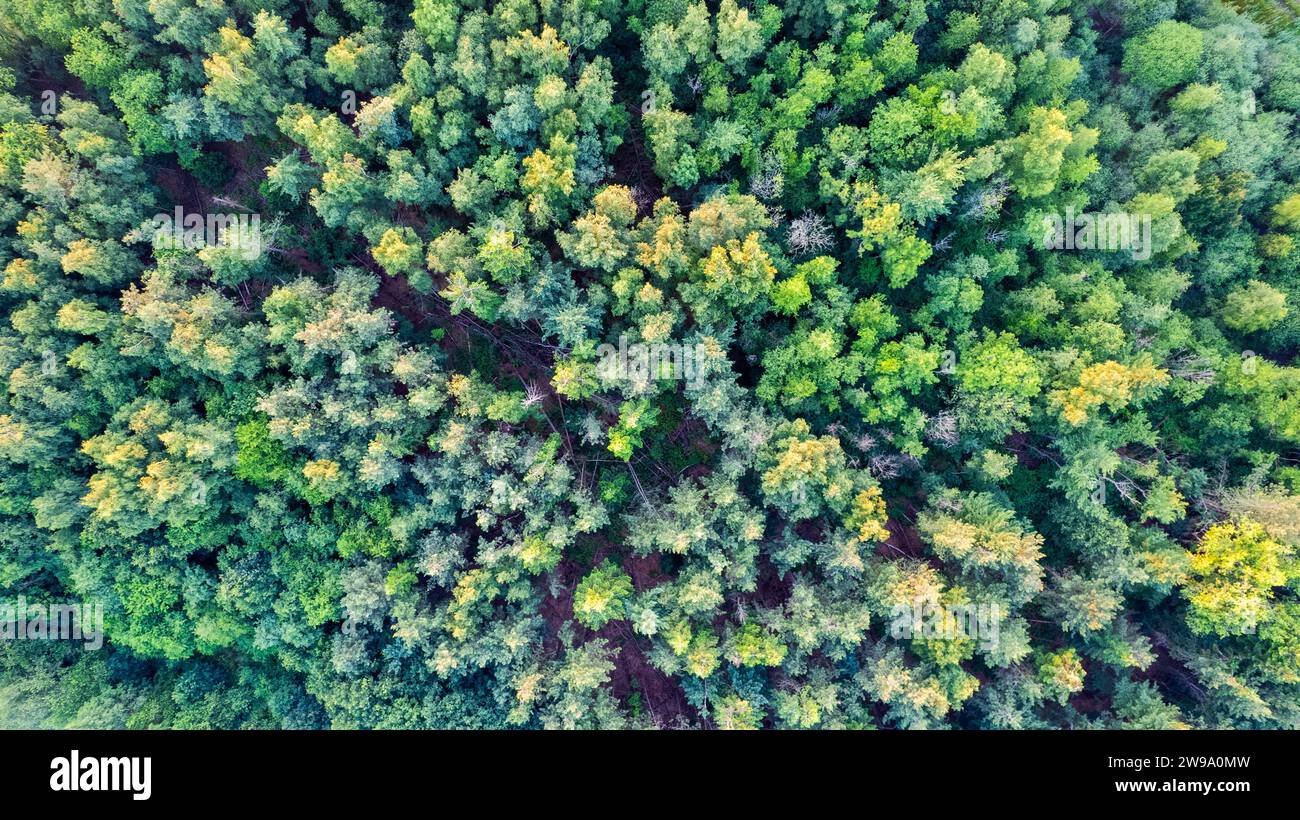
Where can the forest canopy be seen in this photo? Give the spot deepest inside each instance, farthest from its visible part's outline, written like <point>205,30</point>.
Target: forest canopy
<point>651,363</point>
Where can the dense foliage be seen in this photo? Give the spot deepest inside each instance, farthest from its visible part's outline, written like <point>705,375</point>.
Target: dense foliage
<point>366,460</point>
